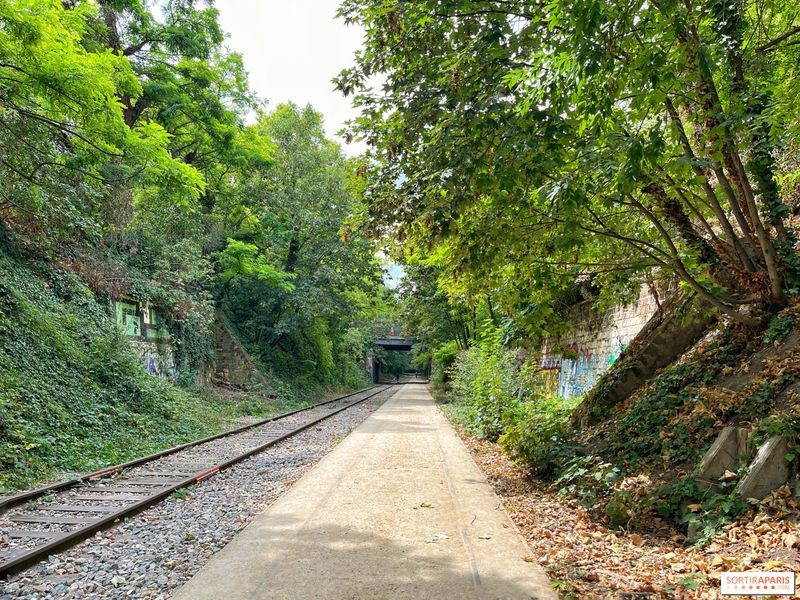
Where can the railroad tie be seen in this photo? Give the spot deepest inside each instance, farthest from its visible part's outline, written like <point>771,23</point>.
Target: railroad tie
<point>32,533</point>
<point>99,498</point>
<point>49,519</point>
<point>78,508</point>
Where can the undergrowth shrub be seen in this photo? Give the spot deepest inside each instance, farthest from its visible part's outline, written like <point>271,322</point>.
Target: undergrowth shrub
<point>786,424</point>
<point>539,434</point>
<point>485,384</point>
<point>703,511</point>
<point>442,358</point>
<point>779,328</point>
<point>500,396</point>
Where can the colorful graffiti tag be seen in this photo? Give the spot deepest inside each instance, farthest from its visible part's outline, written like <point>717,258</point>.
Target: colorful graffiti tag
<point>159,361</point>
<point>572,363</point>
<point>148,334</point>
<point>574,371</point>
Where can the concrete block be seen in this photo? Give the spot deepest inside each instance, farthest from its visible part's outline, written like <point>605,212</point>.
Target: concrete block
<point>729,445</point>
<point>769,469</point>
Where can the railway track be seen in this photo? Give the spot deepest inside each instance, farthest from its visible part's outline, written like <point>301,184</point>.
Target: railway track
<point>49,519</point>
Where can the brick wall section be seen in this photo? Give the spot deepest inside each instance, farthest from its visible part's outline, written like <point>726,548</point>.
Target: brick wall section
<point>573,362</point>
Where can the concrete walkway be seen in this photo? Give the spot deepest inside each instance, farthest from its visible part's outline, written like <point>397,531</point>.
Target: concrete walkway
<point>398,510</point>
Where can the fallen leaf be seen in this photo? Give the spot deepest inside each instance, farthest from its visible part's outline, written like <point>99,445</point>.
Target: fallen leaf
<point>569,540</point>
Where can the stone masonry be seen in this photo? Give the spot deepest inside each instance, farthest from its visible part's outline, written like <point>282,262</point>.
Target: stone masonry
<point>573,362</point>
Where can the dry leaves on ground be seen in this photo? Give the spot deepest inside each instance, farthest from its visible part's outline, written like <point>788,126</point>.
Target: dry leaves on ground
<point>586,559</point>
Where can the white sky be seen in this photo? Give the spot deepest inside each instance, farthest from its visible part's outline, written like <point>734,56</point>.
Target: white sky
<point>292,49</point>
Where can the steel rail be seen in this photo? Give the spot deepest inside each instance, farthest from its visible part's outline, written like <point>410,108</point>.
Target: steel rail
<point>17,499</point>
<point>60,541</point>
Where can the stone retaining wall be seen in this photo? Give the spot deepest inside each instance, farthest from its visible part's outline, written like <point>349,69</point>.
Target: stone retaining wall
<point>574,361</point>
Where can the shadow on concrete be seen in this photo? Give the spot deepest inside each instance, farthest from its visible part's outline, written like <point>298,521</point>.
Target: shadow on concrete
<point>334,562</point>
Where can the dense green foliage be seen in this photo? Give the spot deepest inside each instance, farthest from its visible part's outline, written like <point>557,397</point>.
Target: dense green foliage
<point>123,140</point>
<point>128,166</point>
<point>540,435</point>
<point>519,146</point>
<point>497,395</point>
<point>441,360</point>
<point>306,311</point>
<point>74,396</point>
<point>487,382</point>
<point>393,364</point>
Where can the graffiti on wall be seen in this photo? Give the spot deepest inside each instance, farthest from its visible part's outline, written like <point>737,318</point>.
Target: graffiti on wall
<point>159,360</point>
<point>575,370</point>
<point>572,364</point>
<point>144,326</point>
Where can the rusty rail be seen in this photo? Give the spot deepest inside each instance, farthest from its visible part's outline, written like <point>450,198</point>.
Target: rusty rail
<point>153,487</point>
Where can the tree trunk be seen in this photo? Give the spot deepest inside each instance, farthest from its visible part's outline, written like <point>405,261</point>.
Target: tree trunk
<point>292,255</point>
<point>713,119</point>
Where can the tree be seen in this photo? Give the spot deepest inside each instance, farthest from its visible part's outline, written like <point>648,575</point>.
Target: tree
<point>430,315</point>
<point>242,260</point>
<point>125,155</point>
<point>193,88</point>
<point>298,212</point>
<point>63,136</point>
<point>523,145</point>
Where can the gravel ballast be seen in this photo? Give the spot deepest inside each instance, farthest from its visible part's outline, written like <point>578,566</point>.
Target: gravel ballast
<point>156,551</point>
